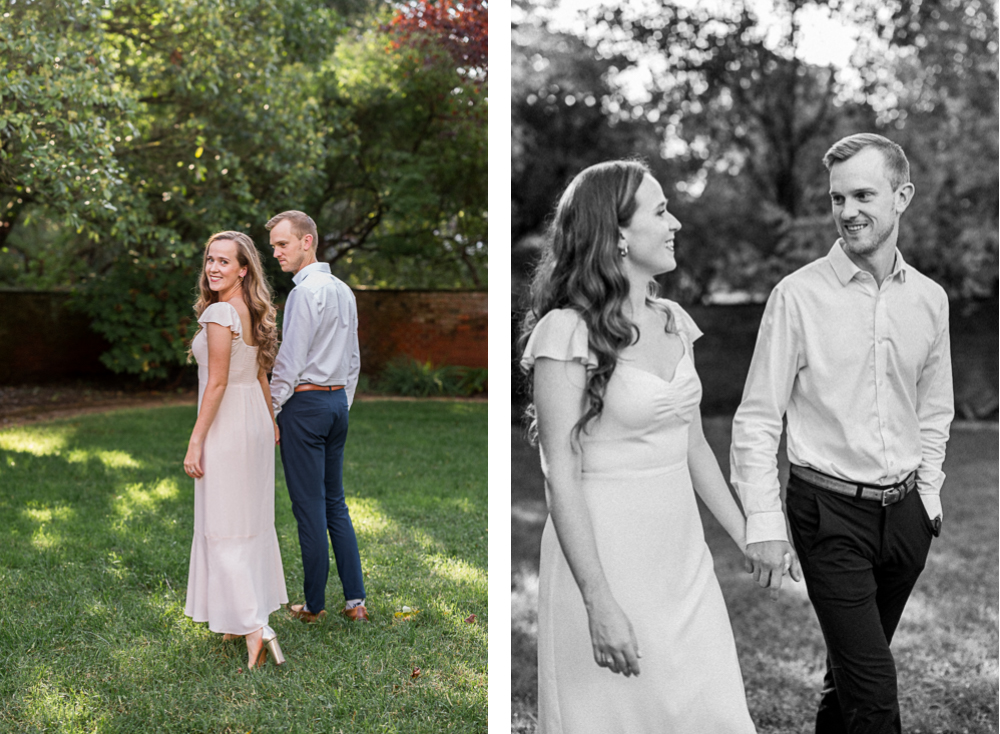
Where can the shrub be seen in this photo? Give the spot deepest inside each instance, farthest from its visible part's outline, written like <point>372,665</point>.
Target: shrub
<point>412,378</point>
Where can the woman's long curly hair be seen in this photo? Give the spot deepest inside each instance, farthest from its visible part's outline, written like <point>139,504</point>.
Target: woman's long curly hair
<point>256,295</point>
<point>581,268</point>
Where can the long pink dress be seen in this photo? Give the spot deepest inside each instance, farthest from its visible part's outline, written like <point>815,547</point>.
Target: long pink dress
<point>235,578</point>
<point>652,548</point>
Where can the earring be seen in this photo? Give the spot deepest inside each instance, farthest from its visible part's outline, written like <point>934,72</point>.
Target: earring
<point>623,250</point>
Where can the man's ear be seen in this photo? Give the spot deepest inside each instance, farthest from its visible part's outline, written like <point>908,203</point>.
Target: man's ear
<point>903,196</point>
<point>307,241</point>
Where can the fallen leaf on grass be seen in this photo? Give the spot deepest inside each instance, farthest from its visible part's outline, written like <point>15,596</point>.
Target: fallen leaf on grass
<point>415,673</point>
<point>406,613</point>
<point>471,619</point>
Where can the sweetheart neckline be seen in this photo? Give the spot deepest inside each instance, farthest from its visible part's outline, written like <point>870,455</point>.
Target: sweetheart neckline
<point>673,377</point>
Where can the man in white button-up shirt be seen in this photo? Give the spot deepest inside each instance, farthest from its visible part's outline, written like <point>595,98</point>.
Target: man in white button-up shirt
<point>312,388</point>
<point>854,350</point>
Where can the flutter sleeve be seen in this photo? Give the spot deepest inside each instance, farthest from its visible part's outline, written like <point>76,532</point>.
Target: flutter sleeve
<point>561,335</point>
<point>685,325</point>
<point>223,314</point>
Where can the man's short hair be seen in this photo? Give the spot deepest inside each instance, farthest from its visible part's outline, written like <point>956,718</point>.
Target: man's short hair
<point>895,159</point>
<point>302,224</point>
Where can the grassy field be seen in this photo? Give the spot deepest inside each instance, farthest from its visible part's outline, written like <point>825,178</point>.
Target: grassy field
<point>945,647</point>
<point>95,531</point>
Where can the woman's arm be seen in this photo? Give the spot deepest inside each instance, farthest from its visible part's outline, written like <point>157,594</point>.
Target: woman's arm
<point>265,386</point>
<point>711,485</point>
<point>220,344</point>
<point>559,402</point>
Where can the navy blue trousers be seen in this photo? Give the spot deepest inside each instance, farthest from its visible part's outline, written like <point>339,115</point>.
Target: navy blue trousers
<point>860,561</point>
<point>313,433</point>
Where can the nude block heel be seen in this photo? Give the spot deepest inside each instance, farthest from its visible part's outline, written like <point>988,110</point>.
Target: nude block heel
<point>270,639</point>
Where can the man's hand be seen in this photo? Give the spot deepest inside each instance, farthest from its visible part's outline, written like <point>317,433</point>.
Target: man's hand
<point>771,560</point>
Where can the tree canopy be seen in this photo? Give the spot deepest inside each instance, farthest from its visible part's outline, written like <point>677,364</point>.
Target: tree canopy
<point>724,107</point>
<point>130,130</point>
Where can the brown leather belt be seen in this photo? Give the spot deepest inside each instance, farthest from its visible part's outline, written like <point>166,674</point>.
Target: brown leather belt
<point>306,386</point>
<point>886,495</point>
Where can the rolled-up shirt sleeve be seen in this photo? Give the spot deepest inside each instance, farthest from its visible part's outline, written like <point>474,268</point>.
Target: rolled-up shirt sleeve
<point>935,411</point>
<point>757,425</point>
<point>298,327</point>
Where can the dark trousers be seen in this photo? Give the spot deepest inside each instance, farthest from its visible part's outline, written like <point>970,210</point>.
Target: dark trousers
<point>313,433</point>
<point>860,561</point>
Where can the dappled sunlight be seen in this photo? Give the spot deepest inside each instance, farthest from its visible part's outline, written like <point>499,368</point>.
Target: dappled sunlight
<point>427,543</point>
<point>466,408</point>
<point>529,513</point>
<point>524,602</point>
<point>110,459</point>
<point>456,570</point>
<point>462,504</point>
<point>802,671</point>
<point>367,517</point>
<point>921,613</point>
<point>137,498</point>
<point>61,708</point>
<point>48,514</point>
<point>45,536</point>
<point>35,442</point>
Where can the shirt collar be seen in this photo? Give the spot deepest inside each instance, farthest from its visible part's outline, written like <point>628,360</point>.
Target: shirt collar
<point>316,267</point>
<point>845,269</point>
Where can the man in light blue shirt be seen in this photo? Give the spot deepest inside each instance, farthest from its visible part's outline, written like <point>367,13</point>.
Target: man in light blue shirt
<point>312,387</point>
<point>854,350</point>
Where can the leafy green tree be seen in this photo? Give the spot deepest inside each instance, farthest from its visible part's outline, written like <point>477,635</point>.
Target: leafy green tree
<point>939,101</point>
<point>61,114</point>
<point>741,123</point>
<point>562,120</point>
<point>154,123</point>
<point>406,181</point>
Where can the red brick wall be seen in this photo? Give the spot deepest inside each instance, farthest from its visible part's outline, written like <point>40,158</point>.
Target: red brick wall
<point>443,327</point>
<point>41,340</point>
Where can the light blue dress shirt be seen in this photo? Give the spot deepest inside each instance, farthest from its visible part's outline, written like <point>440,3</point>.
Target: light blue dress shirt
<point>319,336</point>
<point>863,374</point>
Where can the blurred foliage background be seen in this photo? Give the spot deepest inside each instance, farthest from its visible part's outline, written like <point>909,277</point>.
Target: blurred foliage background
<point>722,101</point>
<point>130,130</point>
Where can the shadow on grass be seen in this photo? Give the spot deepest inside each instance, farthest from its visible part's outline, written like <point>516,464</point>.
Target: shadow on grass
<point>945,646</point>
<point>95,533</point>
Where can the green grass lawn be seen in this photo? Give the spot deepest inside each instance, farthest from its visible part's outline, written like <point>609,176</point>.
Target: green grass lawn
<point>945,647</point>
<point>96,518</point>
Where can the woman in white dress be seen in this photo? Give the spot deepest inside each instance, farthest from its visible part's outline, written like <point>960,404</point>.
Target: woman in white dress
<point>235,578</point>
<point>633,632</point>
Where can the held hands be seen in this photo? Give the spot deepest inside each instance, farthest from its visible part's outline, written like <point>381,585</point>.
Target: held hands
<point>613,639</point>
<point>277,434</point>
<point>192,461</point>
<point>769,561</point>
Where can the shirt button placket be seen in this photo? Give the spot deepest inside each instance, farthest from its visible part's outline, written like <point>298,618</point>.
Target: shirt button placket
<point>879,348</point>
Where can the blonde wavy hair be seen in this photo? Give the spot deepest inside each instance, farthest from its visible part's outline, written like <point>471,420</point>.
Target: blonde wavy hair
<point>256,295</point>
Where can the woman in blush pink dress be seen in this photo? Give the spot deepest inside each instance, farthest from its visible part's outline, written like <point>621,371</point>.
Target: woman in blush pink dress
<point>633,632</point>
<point>235,578</point>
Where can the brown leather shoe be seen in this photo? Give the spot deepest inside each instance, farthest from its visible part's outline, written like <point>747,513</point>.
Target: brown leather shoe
<point>356,614</point>
<point>299,612</point>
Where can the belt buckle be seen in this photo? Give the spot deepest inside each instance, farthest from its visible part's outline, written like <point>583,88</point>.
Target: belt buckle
<point>891,496</point>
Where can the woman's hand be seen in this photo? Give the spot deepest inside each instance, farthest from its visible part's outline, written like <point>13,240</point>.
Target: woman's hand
<point>613,639</point>
<point>277,434</point>
<point>192,461</point>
